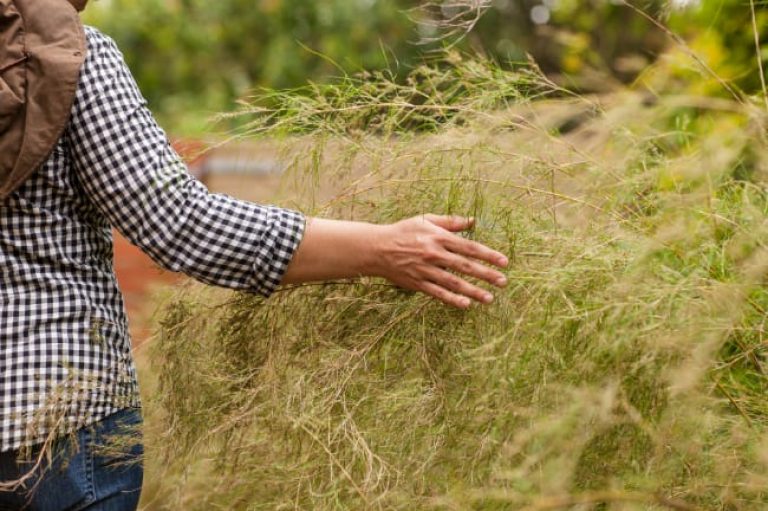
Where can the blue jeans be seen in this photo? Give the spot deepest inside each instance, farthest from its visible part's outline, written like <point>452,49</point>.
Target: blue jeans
<point>89,472</point>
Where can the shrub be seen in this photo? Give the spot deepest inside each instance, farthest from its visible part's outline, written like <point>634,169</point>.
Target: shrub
<point>623,367</point>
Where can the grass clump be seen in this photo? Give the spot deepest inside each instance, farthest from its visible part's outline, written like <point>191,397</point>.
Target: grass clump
<point>623,368</point>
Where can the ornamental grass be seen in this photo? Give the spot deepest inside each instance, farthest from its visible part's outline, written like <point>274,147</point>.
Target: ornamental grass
<point>623,368</point>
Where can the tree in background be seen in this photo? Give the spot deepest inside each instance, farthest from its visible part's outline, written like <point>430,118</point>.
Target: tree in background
<point>571,37</point>
<point>593,44</point>
<point>195,54</point>
<point>721,32</point>
<point>194,58</point>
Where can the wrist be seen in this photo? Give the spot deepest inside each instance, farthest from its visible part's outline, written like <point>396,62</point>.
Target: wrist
<point>372,249</point>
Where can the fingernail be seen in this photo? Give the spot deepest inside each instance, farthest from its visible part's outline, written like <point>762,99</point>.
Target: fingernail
<point>503,261</point>
<point>487,298</point>
<point>465,302</point>
<point>501,282</point>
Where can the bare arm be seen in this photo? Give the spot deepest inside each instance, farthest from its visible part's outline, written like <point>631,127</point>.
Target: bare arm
<point>422,254</point>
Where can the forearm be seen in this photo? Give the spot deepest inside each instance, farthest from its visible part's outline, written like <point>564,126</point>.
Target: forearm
<point>422,254</point>
<point>334,249</point>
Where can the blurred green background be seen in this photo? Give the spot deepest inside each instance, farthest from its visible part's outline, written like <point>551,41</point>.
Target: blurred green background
<point>195,58</point>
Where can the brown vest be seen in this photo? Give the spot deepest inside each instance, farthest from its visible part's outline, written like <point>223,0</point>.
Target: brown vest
<point>42,48</point>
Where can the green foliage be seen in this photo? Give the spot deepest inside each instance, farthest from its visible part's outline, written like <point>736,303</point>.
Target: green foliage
<point>623,368</point>
<point>605,36</point>
<point>722,33</point>
<point>203,55</point>
<point>375,103</point>
<point>194,58</point>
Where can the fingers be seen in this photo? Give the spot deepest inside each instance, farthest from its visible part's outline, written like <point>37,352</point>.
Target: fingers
<point>451,223</point>
<point>473,269</point>
<point>453,290</point>
<point>436,260</point>
<point>475,250</point>
<point>458,286</point>
<point>463,246</point>
<point>445,296</point>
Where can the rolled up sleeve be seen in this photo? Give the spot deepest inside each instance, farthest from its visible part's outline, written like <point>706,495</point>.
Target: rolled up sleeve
<point>126,166</point>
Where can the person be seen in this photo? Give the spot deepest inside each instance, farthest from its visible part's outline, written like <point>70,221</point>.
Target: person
<point>80,154</point>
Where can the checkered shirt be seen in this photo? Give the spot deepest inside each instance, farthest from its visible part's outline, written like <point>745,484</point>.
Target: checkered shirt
<point>65,350</point>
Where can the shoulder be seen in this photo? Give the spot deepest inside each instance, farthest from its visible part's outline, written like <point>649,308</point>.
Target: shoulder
<point>103,52</point>
<point>106,83</point>
<point>100,46</point>
<point>104,68</point>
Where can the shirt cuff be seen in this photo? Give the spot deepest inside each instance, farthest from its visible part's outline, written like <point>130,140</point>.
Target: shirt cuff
<point>285,230</point>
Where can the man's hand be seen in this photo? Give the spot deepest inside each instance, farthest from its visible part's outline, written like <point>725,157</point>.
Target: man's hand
<point>423,253</point>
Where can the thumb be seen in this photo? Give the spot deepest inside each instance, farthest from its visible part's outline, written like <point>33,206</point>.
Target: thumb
<point>451,223</point>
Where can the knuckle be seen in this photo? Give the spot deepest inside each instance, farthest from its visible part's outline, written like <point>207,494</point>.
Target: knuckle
<point>416,285</point>
<point>432,254</point>
<point>476,249</point>
<point>455,283</point>
<point>429,255</point>
<point>440,237</point>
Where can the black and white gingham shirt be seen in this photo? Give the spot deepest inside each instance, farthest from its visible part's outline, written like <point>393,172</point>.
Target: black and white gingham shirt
<point>65,352</point>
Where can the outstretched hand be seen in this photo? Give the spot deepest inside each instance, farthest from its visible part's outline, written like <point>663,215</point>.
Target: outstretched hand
<point>425,254</point>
